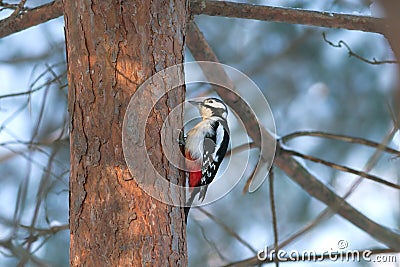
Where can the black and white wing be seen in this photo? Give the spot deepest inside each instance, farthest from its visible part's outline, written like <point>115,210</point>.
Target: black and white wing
<point>215,146</point>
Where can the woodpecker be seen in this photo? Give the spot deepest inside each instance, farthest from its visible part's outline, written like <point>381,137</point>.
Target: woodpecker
<point>205,147</point>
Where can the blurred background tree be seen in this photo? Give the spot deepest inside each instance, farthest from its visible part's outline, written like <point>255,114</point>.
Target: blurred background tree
<point>310,84</point>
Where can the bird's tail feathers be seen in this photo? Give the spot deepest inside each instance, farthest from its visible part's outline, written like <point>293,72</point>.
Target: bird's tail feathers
<point>188,205</point>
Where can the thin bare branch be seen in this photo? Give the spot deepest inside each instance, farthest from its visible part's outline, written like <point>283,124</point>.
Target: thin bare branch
<point>288,15</point>
<point>350,52</point>
<point>211,243</point>
<point>342,168</point>
<point>228,230</point>
<point>240,148</point>
<point>46,231</point>
<point>19,8</point>
<point>17,58</point>
<point>251,176</point>
<point>48,82</point>
<point>36,163</point>
<point>273,211</point>
<point>20,252</point>
<point>5,6</point>
<point>340,137</point>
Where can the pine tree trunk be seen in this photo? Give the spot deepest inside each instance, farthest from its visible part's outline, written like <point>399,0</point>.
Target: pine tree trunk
<point>112,48</point>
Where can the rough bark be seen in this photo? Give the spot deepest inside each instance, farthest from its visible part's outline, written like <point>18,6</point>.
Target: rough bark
<point>392,7</point>
<point>113,47</point>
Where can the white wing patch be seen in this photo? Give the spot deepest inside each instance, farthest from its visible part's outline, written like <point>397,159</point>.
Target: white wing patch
<point>218,141</point>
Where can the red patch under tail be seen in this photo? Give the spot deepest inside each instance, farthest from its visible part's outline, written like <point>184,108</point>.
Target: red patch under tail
<point>194,171</point>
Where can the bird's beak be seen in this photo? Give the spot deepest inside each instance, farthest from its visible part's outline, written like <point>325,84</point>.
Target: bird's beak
<point>196,103</point>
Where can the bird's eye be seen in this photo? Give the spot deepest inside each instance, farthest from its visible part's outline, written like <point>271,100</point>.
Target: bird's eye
<point>210,101</point>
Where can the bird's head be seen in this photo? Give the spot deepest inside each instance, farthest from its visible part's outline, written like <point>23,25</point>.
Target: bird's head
<point>211,107</point>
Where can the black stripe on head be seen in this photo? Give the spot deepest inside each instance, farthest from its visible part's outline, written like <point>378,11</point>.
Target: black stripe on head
<point>215,103</point>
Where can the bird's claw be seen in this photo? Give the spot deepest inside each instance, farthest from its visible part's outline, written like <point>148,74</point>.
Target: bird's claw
<point>182,139</point>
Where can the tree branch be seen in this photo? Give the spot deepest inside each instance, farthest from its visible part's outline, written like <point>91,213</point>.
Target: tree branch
<point>31,18</point>
<point>288,15</point>
<point>202,51</point>
<point>54,9</point>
